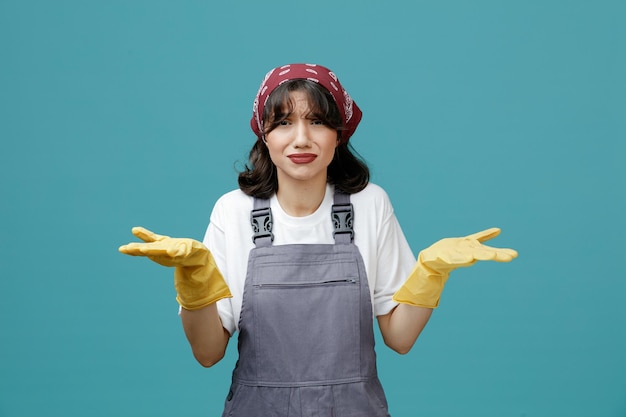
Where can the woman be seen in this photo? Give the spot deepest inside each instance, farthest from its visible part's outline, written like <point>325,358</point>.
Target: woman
<point>325,256</point>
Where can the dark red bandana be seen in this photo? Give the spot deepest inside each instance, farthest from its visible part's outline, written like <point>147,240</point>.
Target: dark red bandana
<point>350,112</point>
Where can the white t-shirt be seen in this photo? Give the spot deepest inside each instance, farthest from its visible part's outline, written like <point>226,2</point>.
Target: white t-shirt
<point>387,256</point>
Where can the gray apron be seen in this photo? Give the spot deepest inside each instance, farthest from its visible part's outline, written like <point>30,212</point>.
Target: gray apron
<point>306,341</point>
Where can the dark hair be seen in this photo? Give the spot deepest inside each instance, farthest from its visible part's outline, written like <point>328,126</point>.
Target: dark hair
<point>347,171</point>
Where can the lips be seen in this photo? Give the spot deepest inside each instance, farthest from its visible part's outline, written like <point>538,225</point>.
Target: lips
<point>302,158</point>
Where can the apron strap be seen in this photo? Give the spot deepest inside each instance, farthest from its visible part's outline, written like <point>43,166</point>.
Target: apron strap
<point>342,217</point>
<point>261,221</point>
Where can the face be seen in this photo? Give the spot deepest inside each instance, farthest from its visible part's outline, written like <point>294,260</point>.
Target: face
<point>301,147</point>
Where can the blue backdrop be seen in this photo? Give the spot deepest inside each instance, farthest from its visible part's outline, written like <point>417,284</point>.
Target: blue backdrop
<point>476,114</point>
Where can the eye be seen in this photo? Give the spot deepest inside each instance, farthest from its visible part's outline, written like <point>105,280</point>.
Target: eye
<point>318,122</point>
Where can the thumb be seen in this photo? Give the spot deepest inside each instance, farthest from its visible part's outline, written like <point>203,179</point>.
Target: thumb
<point>147,235</point>
<point>484,235</point>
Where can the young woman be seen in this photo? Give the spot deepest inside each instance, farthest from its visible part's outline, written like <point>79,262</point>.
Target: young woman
<point>303,256</point>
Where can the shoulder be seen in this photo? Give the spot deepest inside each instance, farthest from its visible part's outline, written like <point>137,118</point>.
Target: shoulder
<point>233,198</point>
<point>234,204</point>
<point>373,197</point>
<point>372,191</point>
<point>373,211</point>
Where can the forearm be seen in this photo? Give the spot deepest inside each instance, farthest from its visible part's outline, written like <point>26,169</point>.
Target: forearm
<point>206,335</point>
<point>401,327</point>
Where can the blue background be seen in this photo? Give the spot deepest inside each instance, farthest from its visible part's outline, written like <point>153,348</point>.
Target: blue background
<point>476,114</point>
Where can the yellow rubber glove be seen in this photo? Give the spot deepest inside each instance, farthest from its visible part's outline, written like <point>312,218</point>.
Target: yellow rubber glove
<point>424,285</point>
<point>197,280</point>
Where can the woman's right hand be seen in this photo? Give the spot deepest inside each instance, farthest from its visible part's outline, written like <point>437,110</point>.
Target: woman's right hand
<point>197,279</point>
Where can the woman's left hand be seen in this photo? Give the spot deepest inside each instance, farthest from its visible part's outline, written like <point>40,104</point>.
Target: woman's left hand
<point>424,285</point>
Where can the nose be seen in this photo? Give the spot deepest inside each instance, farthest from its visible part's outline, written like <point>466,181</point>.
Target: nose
<point>302,136</point>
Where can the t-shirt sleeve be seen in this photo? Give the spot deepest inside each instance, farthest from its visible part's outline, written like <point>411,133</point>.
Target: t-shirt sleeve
<point>395,260</point>
<point>215,240</point>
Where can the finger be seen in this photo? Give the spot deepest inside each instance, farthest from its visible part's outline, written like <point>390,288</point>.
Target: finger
<point>485,235</point>
<point>146,235</point>
<point>156,255</point>
<point>505,255</point>
<point>485,254</point>
<point>466,255</point>
<point>501,254</point>
<point>170,248</point>
<point>477,250</point>
<point>145,249</point>
<point>133,249</point>
<point>481,252</point>
<point>457,259</point>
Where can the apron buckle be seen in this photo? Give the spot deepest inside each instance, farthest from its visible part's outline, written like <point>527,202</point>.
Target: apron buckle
<point>261,220</point>
<point>343,215</point>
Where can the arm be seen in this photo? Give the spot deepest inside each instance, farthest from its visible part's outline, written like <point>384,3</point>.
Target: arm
<point>206,336</point>
<point>422,289</point>
<point>199,285</point>
<point>401,327</point>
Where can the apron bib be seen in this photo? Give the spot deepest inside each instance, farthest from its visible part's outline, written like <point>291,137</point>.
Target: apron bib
<point>306,341</point>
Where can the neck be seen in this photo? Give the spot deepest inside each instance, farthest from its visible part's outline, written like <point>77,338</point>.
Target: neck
<point>298,199</point>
